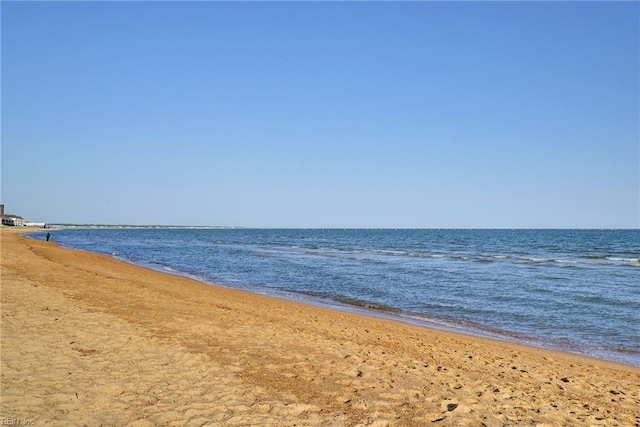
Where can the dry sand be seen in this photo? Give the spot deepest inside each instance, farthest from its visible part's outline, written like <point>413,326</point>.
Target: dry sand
<point>88,340</point>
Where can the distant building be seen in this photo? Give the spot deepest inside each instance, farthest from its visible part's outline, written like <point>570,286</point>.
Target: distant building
<point>34,224</point>
<point>12,220</point>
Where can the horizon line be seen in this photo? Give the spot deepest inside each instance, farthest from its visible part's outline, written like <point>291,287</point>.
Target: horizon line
<point>107,225</point>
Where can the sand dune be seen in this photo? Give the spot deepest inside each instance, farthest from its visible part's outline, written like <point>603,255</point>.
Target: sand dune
<point>88,340</point>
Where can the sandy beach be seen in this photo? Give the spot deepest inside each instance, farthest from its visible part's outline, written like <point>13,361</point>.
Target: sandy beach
<point>89,340</point>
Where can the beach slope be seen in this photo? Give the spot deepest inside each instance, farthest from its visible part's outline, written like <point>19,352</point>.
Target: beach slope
<point>89,340</point>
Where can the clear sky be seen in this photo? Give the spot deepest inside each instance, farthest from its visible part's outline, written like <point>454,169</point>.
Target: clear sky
<point>325,114</point>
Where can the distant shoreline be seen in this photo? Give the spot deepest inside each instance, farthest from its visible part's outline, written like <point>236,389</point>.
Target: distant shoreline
<point>125,226</point>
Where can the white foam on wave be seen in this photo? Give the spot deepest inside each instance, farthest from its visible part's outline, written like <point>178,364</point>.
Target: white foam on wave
<point>532,259</point>
<point>634,260</point>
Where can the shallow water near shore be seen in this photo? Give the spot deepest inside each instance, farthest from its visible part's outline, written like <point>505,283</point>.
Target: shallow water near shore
<point>572,290</point>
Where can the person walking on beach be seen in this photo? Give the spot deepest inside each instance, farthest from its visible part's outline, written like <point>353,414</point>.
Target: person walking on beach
<point>48,236</point>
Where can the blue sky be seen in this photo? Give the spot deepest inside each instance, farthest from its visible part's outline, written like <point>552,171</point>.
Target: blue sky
<point>326,114</point>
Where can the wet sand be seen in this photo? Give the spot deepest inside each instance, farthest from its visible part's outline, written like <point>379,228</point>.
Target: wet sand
<point>89,340</point>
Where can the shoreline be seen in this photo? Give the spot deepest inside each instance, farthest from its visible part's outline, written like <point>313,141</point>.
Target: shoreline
<point>218,355</point>
<point>363,308</point>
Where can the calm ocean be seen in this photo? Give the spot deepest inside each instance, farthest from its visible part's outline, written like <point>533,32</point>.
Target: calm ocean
<point>573,290</point>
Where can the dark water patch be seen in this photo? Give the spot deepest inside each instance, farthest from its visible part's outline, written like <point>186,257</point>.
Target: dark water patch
<point>484,260</point>
<point>594,256</point>
<point>368,305</point>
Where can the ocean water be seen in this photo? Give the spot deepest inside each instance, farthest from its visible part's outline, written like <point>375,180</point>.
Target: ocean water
<point>572,290</point>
